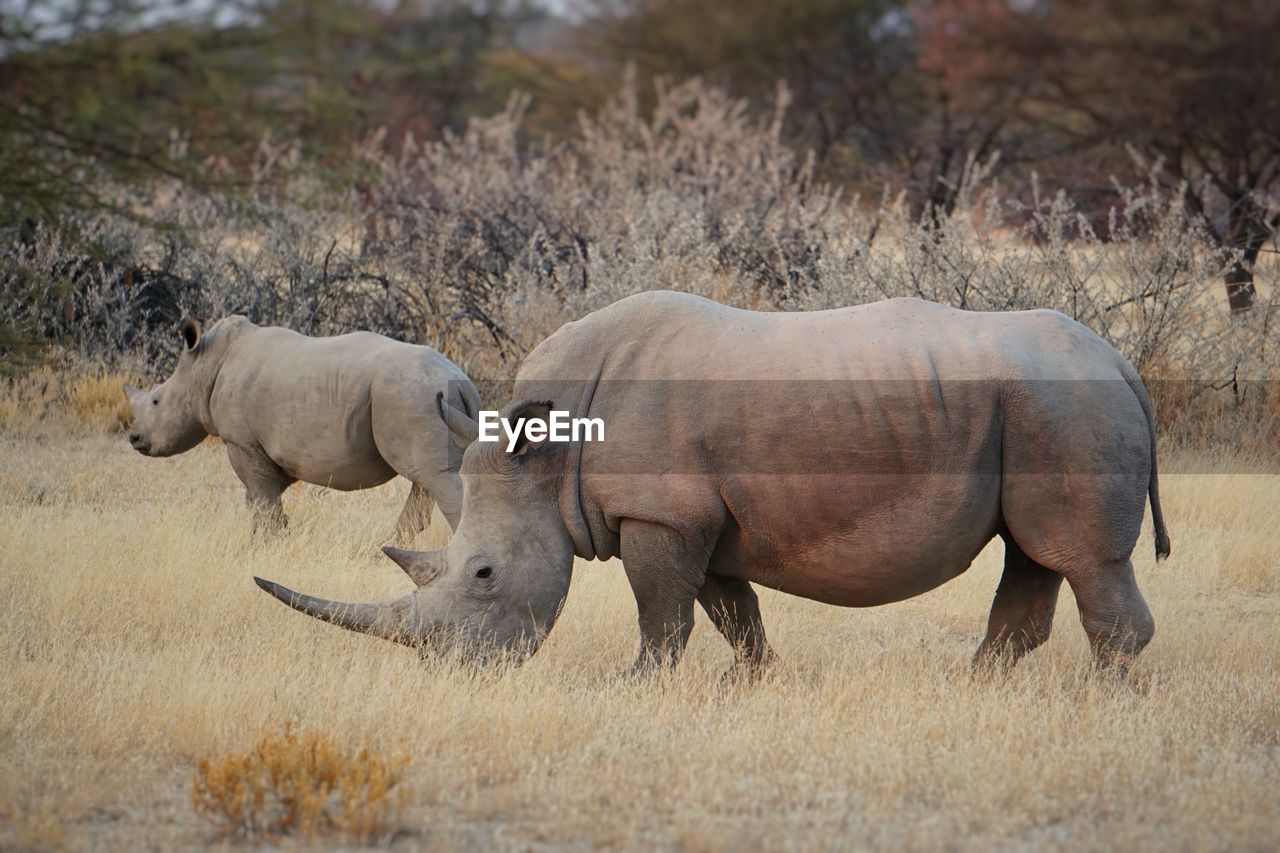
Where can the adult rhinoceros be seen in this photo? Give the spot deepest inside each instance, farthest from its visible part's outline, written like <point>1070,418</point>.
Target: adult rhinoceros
<point>856,457</point>
<point>347,412</point>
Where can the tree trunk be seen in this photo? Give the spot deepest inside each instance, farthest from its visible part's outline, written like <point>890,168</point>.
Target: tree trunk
<point>1248,232</point>
<point>1240,290</point>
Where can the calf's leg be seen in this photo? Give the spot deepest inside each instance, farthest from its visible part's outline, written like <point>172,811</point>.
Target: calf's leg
<point>415,516</point>
<point>264,482</point>
<point>446,488</point>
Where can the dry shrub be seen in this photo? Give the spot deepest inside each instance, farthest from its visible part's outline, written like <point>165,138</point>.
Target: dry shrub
<point>303,784</point>
<point>24,399</point>
<point>1238,414</point>
<point>90,398</point>
<point>33,831</point>
<point>98,400</point>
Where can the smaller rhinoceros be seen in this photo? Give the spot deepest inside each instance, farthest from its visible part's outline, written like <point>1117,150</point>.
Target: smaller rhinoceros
<point>347,412</point>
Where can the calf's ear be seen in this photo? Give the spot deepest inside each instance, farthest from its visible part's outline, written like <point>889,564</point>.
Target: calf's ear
<point>191,333</point>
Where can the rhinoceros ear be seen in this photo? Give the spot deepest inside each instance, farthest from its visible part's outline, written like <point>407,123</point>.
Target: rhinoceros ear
<point>459,422</point>
<point>130,392</point>
<point>191,333</point>
<point>530,411</point>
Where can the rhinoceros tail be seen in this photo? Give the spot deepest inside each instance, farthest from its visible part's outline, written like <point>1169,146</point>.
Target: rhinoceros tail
<point>470,399</point>
<point>1153,484</point>
<point>1153,492</point>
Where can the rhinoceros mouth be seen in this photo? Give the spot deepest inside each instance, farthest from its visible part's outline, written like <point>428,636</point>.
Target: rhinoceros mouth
<point>140,444</point>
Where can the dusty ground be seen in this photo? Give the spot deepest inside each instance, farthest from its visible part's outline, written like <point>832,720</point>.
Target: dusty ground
<point>133,640</point>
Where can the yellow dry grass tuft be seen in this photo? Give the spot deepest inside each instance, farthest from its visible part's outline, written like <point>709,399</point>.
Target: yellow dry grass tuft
<point>97,399</point>
<point>91,399</point>
<point>134,640</point>
<point>24,399</point>
<point>304,784</point>
<point>35,832</point>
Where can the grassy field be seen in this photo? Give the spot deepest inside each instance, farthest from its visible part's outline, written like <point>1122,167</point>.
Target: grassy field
<point>134,641</point>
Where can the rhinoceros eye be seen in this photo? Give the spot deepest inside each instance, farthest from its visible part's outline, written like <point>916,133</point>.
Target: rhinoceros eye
<point>155,402</point>
<point>484,572</point>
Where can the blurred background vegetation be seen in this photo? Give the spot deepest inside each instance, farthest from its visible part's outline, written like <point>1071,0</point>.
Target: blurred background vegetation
<point>131,132</point>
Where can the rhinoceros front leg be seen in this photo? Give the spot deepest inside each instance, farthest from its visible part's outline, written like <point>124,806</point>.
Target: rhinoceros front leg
<point>665,571</point>
<point>264,482</point>
<point>735,611</point>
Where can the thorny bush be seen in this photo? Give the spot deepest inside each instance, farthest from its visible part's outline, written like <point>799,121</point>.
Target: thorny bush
<point>481,244</point>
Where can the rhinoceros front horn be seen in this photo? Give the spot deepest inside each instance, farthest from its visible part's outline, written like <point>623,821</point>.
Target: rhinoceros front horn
<point>389,620</point>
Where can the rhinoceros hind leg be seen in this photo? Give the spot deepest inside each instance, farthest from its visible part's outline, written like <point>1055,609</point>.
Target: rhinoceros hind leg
<point>665,571</point>
<point>415,516</point>
<point>732,605</point>
<point>1022,612</point>
<point>1114,614</point>
<point>415,443</point>
<point>264,483</point>
<point>446,488</point>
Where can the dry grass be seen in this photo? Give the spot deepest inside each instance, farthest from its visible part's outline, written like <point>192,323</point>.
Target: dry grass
<point>134,641</point>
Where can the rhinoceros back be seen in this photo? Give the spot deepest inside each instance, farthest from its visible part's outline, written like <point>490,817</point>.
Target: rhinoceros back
<point>308,402</point>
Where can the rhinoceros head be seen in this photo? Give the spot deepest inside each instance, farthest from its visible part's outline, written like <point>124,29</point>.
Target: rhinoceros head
<point>166,420</point>
<point>498,586</point>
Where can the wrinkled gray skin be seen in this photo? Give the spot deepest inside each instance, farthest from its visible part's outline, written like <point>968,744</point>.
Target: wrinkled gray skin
<point>873,453</point>
<point>347,412</point>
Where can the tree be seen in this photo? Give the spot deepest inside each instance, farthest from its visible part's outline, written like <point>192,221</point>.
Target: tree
<point>98,94</point>
<point>101,99</point>
<point>870,97</point>
<point>848,64</point>
<point>1192,85</point>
